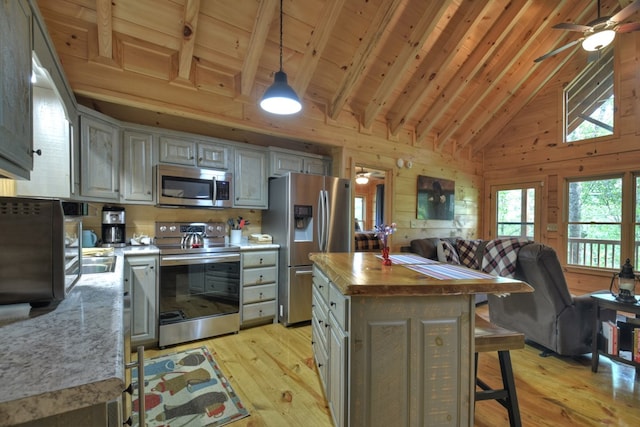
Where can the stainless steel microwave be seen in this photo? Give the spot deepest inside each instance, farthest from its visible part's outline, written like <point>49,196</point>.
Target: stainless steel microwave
<point>193,187</point>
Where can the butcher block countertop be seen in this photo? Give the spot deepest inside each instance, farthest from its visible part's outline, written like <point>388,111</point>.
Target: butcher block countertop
<point>362,274</point>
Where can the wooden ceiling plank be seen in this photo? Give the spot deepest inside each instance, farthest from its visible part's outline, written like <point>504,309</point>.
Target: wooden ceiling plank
<point>386,13</point>
<point>104,23</point>
<point>425,26</point>
<point>264,18</point>
<point>463,24</point>
<point>189,31</point>
<point>316,45</point>
<point>476,61</point>
<point>521,89</point>
<point>490,83</point>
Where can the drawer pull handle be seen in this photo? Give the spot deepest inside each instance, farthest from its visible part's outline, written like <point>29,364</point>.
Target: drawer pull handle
<point>332,304</point>
<point>261,260</point>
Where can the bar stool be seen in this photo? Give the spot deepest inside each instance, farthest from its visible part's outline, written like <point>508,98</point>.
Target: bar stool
<point>489,337</point>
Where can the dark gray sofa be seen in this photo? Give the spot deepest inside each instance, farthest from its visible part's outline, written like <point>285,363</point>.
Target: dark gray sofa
<point>550,316</point>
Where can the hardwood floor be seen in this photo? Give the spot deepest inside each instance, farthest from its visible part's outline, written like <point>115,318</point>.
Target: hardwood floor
<point>272,370</point>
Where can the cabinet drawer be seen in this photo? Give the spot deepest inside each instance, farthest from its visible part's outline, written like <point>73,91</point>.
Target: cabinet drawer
<point>259,293</point>
<point>258,259</point>
<point>258,276</point>
<point>321,282</point>
<point>339,306</point>
<point>321,357</point>
<point>258,310</point>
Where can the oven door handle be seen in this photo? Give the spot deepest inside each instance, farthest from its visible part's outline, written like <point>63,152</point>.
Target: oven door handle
<point>169,260</point>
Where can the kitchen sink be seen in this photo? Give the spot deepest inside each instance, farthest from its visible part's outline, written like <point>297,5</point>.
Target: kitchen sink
<point>98,264</point>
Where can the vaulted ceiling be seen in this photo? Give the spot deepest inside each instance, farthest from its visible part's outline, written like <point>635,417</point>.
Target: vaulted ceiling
<point>449,73</point>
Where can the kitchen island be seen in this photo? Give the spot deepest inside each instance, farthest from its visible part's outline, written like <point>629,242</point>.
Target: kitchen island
<point>394,345</point>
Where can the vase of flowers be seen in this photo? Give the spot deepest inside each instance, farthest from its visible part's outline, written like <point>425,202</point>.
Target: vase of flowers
<point>383,232</point>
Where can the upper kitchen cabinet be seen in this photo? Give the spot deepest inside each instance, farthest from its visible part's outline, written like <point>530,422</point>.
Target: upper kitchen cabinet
<point>99,156</point>
<point>283,161</point>
<point>55,124</point>
<point>185,151</point>
<point>250,179</point>
<point>16,148</point>
<point>137,167</point>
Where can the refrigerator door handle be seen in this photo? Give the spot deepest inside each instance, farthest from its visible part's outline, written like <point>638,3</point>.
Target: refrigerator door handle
<point>320,222</point>
<point>327,216</point>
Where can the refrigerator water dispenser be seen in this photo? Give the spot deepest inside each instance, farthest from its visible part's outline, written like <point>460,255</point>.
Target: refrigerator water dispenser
<point>303,222</point>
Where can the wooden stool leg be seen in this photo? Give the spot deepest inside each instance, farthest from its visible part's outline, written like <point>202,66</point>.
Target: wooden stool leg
<point>509,384</point>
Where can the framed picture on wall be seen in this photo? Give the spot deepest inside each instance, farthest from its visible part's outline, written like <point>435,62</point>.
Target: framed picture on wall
<point>436,198</point>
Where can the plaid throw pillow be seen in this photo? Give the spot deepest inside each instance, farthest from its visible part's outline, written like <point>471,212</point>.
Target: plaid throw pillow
<point>500,256</point>
<point>447,253</point>
<point>467,250</point>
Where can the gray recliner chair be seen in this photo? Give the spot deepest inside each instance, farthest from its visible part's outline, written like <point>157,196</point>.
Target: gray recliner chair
<point>550,316</point>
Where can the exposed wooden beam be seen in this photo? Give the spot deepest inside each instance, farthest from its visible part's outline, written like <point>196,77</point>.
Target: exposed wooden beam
<point>500,77</point>
<point>263,21</point>
<point>476,62</point>
<point>425,26</point>
<point>431,75</point>
<point>386,13</point>
<point>523,84</point>
<point>105,28</point>
<point>189,29</point>
<point>316,45</point>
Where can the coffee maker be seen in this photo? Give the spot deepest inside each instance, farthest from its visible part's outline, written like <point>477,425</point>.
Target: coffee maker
<point>113,226</point>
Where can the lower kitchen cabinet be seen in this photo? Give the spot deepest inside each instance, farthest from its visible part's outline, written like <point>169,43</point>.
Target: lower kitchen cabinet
<point>141,273</point>
<point>259,287</point>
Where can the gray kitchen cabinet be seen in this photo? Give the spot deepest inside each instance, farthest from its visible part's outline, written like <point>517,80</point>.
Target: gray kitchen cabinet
<point>137,162</point>
<point>16,157</point>
<point>141,273</point>
<point>189,152</point>
<point>177,150</point>
<point>284,161</point>
<point>250,179</point>
<point>99,157</point>
<point>259,287</point>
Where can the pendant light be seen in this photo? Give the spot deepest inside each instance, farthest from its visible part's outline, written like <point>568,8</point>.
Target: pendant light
<point>280,98</point>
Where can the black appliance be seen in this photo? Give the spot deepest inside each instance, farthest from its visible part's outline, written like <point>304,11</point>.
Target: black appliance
<point>199,282</point>
<point>113,226</point>
<point>39,254</point>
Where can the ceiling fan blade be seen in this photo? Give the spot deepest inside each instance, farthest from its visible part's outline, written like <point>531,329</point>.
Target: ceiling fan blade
<point>558,50</point>
<point>626,12</point>
<point>627,28</point>
<point>572,27</point>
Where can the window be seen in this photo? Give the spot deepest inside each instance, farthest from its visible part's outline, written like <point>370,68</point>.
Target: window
<point>359,212</point>
<point>594,223</point>
<point>589,101</point>
<point>516,212</point>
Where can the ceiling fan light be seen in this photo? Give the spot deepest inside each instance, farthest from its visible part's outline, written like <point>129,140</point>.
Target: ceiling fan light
<point>362,179</point>
<point>280,98</point>
<point>598,40</point>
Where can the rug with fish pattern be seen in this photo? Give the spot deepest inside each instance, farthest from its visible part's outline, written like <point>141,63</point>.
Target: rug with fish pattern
<point>186,389</point>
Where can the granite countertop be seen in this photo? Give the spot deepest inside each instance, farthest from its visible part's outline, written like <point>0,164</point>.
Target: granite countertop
<point>54,360</point>
<point>362,274</point>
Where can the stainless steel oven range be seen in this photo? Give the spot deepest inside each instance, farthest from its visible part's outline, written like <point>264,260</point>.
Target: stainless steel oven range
<point>199,282</point>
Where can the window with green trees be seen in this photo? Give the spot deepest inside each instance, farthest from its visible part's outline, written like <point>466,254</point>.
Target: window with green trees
<point>516,212</point>
<point>589,101</point>
<point>594,223</point>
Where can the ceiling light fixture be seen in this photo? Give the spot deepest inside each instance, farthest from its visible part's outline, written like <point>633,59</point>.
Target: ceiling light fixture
<point>362,178</point>
<point>280,98</point>
<point>598,40</point>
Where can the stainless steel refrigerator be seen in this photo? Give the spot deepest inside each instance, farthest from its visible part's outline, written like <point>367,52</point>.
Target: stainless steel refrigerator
<point>307,213</point>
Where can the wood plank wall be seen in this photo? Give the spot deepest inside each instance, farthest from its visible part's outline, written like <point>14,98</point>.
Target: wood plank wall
<point>531,148</point>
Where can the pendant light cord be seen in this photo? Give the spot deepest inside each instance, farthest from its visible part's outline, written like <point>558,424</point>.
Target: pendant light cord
<point>280,35</point>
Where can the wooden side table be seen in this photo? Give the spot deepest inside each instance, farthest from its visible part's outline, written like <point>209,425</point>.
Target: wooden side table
<point>608,301</point>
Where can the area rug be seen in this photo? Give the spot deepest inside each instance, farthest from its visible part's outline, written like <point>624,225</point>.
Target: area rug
<point>186,389</point>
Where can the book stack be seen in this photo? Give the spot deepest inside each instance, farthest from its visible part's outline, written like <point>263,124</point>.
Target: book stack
<point>611,333</point>
<point>623,336</point>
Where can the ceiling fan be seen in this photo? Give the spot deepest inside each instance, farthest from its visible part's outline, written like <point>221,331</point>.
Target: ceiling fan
<point>600,32</point>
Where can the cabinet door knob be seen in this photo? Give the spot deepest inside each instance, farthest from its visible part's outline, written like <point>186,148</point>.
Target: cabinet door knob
<point>38,152</point>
